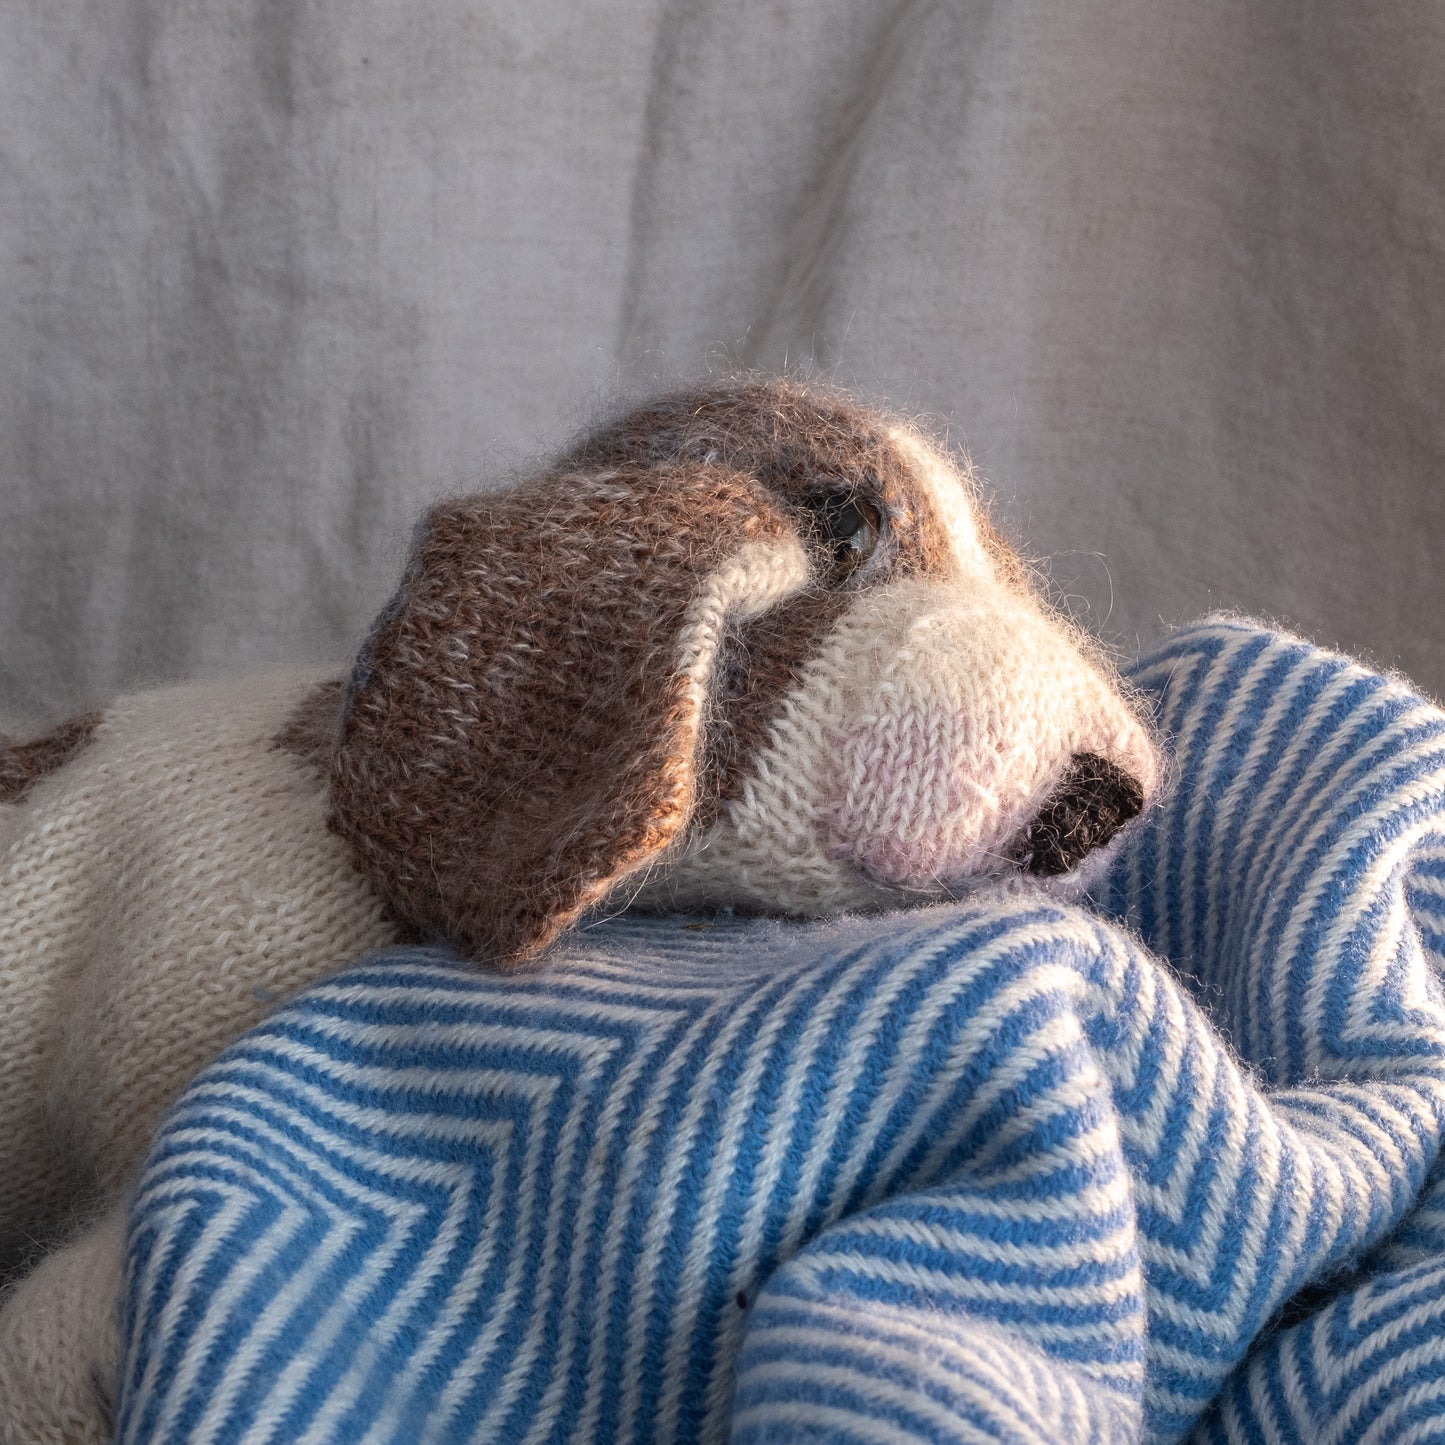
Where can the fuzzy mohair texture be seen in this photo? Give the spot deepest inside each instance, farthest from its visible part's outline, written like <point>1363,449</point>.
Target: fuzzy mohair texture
<point>752,646</point>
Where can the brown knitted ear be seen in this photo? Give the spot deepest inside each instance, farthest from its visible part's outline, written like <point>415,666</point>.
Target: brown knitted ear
<point>525,725</point>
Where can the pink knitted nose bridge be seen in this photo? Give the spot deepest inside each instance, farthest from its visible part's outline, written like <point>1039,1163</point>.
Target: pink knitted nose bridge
<point>957,743</point>
<point>900,789</point>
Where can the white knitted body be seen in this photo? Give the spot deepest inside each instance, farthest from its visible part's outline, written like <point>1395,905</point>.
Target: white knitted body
<point>159,894</point>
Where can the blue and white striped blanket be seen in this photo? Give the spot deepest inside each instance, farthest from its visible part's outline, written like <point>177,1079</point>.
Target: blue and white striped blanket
<point>993,1171</point>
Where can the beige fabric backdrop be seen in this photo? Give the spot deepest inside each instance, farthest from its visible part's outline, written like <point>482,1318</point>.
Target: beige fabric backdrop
<point>276,272</point>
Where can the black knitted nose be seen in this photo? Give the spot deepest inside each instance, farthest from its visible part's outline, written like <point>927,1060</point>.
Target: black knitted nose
<point>1093,802</point>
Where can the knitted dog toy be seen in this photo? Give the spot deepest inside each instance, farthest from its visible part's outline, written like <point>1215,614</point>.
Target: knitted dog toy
<point>753,646</point>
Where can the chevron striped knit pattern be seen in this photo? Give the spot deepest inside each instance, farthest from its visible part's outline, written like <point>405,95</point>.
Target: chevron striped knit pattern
<point>987,1172</point>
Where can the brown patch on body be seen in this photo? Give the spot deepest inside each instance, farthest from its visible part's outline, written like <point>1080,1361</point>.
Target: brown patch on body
<point>22,765</point>
<point>517,737</point>
<point>310,732</point>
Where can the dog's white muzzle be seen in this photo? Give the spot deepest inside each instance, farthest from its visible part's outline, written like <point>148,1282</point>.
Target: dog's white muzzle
<point>924,736</point>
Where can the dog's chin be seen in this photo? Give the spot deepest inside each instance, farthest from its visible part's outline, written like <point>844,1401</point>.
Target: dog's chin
<point>711,871</point>
<point>999,879</point>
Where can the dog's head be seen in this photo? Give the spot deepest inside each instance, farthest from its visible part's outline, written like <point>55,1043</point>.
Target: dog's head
<point>753,645</point>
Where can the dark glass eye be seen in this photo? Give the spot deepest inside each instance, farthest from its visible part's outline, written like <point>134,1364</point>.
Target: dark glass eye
<point>850,526</point>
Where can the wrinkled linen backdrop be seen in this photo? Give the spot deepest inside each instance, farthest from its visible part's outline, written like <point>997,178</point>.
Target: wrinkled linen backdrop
<point>275,275</point>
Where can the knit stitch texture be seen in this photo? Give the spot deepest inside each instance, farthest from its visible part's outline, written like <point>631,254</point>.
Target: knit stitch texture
<point>987,1171</point>
<point>162,893</point>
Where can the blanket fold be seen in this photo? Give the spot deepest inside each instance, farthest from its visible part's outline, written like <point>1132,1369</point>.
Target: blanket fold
<point>1010,1169</point>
